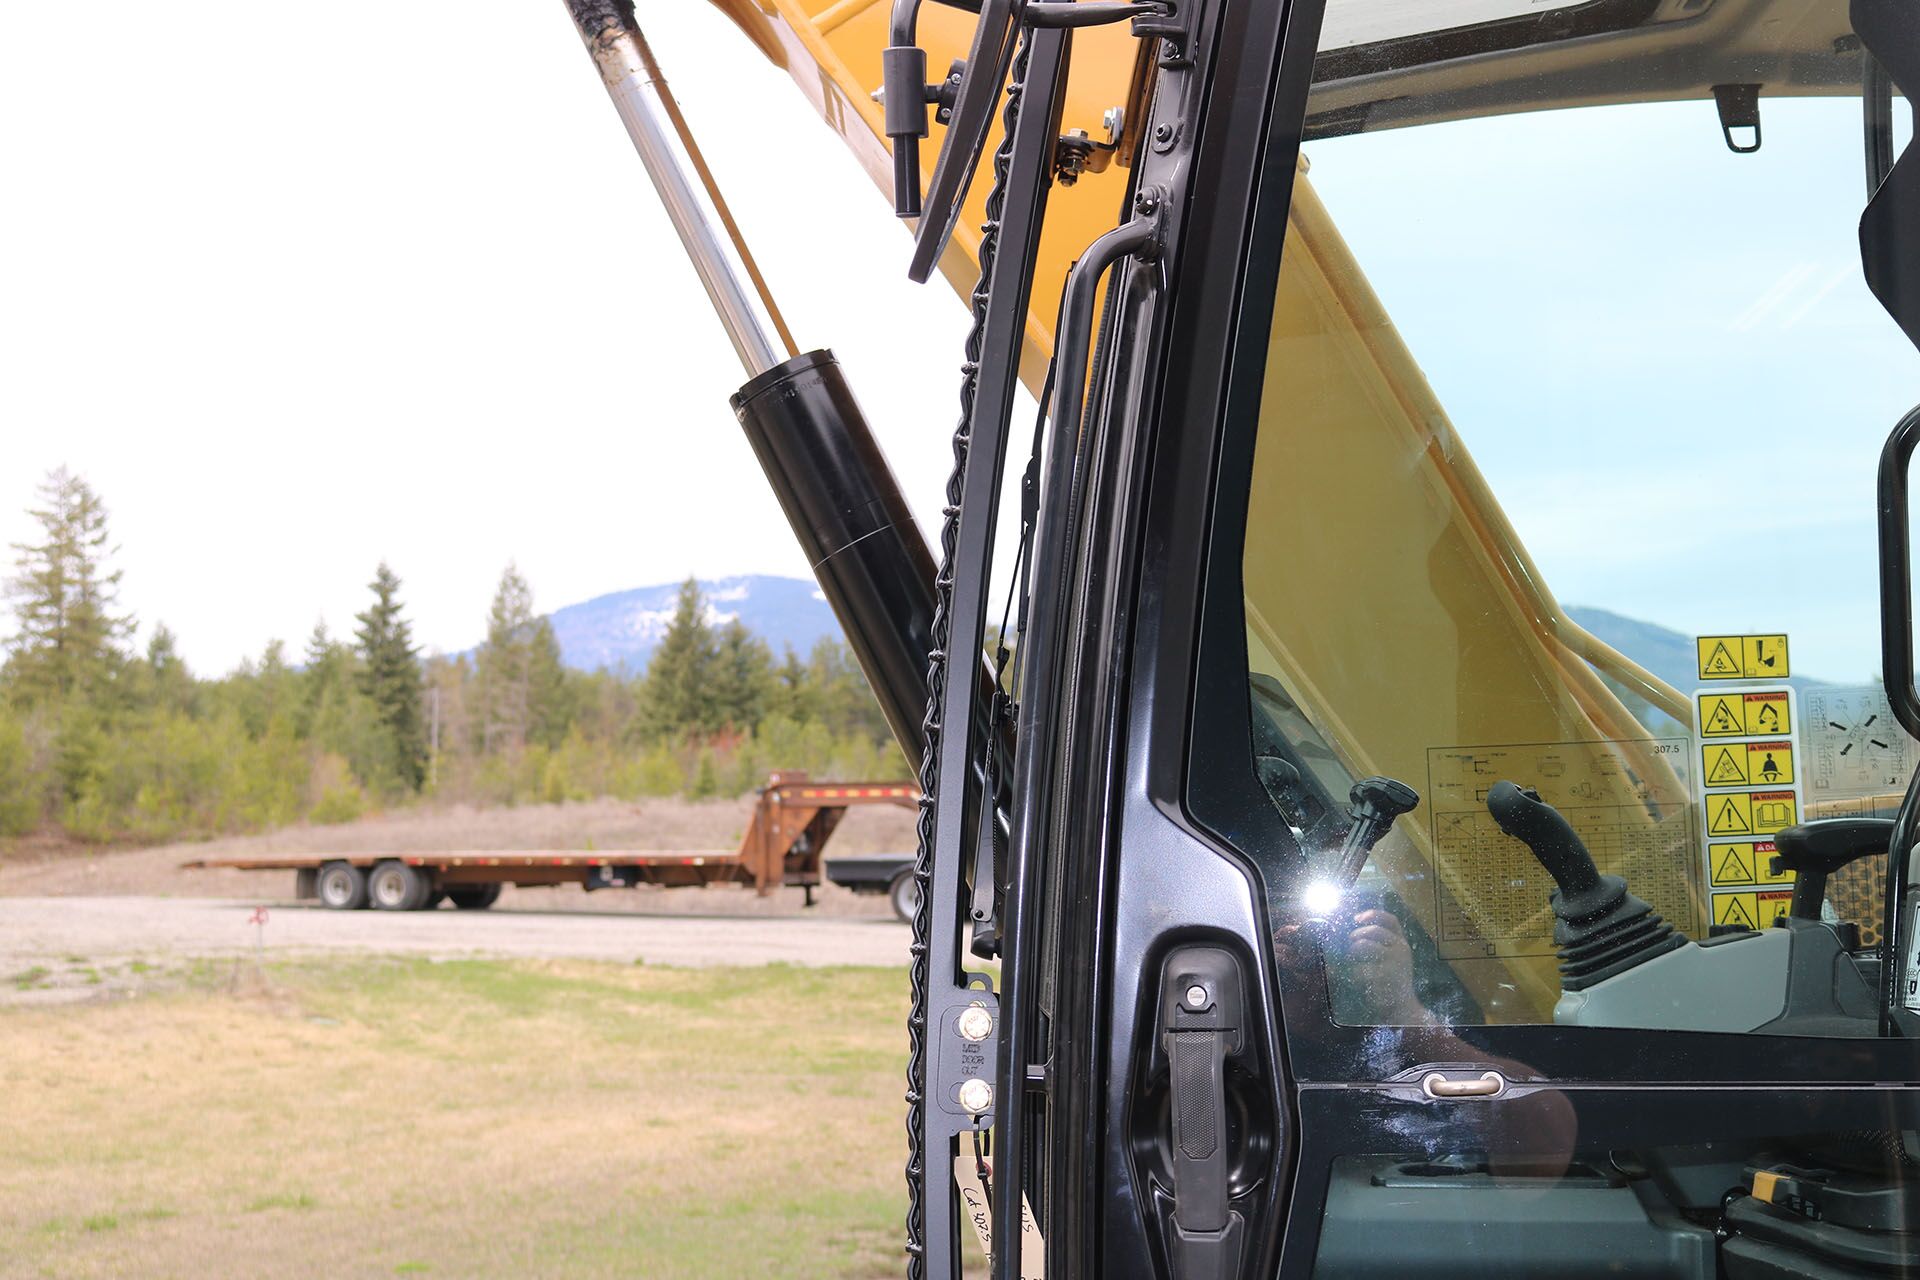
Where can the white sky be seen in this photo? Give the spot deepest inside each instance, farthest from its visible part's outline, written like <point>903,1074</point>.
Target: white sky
<point>301,287</point>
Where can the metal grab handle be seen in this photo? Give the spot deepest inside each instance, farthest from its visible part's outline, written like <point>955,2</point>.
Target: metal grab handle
<point>1489,1083</point>
<point>1896,577</point>
<point>1071,345</point>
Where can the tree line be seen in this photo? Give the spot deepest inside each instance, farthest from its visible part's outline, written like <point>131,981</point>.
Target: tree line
<point>105,740</point>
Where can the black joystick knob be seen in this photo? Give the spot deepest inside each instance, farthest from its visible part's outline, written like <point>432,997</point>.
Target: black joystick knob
<point>1375,803</point>
<point>1601,929</point>
<point>1815,850</point>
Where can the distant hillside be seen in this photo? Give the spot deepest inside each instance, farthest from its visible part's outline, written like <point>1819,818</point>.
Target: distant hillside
<point>619,631</point>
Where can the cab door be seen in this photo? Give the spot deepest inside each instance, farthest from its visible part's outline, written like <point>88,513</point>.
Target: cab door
<point>1504,359</point>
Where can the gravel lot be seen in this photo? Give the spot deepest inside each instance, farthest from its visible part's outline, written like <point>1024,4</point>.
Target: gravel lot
<point>105,931</point>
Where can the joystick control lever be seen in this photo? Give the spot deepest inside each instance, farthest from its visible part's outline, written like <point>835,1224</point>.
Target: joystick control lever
<point>1815,850</point>
<point>1600,929</point>
<point>1375,803</point>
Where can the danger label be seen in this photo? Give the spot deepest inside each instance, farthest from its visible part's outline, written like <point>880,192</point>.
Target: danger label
<point>1750,813</point>
<point>1745,715</point>
<point>1744,862</point>
<point>1746,764</point>
<point>1743,657</point>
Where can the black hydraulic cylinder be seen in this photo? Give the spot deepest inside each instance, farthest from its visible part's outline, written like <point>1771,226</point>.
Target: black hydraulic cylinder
<point>853,524</point>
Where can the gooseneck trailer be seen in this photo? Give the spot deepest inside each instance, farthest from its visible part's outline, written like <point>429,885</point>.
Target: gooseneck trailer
<point>793,818</point>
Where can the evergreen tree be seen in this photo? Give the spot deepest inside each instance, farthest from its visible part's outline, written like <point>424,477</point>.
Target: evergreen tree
<point>551,695</point>
<point>68,637</point>
<point>679,690</point>
<point>390,677</point>
<point>172,684</point>
<point>742,678</point>
<point>503,667</point>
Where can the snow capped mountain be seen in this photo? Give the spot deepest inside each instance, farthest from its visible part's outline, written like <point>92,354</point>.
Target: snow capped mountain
<point>619,631</point>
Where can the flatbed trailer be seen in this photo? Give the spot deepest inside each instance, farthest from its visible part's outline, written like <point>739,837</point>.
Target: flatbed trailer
<point>793,818</point>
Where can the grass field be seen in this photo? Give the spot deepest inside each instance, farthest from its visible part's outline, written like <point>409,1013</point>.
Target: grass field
<point>462,1118</point>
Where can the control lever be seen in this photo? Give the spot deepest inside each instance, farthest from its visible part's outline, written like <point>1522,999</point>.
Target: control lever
<point>1815,850</point>
<point>1600,929</point>
<point>1375,803</point>
<point>1202,1022</point>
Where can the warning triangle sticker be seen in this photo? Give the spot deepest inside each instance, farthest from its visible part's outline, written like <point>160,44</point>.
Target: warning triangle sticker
<point>1722,721</point>
<point>1733,869</point>
<point>1735,912</point>
<point>1721,662</point>
<point>1726,769</point>
<point>1729,821</point>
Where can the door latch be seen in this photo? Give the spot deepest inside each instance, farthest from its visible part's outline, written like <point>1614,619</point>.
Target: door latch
<point>1202,1024</point>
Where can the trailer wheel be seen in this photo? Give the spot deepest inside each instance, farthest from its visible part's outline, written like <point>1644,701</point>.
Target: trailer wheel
<point>395,886</point>
<point>904,893</point>
<point>341,886</point>
<point>434,899</point>
<point>477,898</point>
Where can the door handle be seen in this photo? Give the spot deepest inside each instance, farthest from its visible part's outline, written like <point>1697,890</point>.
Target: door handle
<point>1202,1020</point>
<point>1485,1085</point>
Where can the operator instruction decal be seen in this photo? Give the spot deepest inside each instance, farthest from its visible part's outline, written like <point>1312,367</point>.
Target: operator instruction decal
<point>1750,789</point>
<point>1631,802</point>
<point>1742,657</point>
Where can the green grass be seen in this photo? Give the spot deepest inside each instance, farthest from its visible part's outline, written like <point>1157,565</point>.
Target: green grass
<point>469,1118</point>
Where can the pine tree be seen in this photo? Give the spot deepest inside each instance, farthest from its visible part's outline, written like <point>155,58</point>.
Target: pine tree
<point>68,638</point>
<point>390,677</point>
<point>503,666</point>
<point>551,700</point>
<point>678,687</point>
<point>743,679</point>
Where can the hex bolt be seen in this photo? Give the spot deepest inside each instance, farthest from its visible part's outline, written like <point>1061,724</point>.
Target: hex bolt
<point>1115,123</point>
<point>975,1023</point>
<point>1162,133</point>
<point>976,1095</point>
<point>1196,996</point>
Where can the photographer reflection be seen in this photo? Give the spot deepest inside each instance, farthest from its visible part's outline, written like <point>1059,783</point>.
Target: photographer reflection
<point>1381,971</point>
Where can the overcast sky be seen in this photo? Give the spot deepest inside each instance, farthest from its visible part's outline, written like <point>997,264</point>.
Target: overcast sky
<point>302,287</point>
<point>299,288</point>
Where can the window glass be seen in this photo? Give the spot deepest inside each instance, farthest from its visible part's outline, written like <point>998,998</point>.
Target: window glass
<point>1559,382</point>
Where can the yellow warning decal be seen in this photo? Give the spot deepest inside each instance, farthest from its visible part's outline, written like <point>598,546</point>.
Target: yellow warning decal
<point>1733,863</point>
<point>1722,715</point>
<point>1769,763</point>
<point>1771,905</point>
<point>1745,862</point>
<point>1750,813</point>
<point>1742,910</point>
<point>1745,715</point>
<point>1769,712</point>
<point>1743,657</point>
<point>1747,764</point>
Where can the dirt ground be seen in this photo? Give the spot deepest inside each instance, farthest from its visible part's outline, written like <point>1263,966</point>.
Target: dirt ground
<point>42,870</point>
<point>479,1118</point>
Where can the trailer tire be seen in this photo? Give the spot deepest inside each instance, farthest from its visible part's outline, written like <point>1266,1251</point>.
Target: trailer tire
<point>341,886</point>
<point>395,886</point>
<point>903,891</point>
<point>434,899</point>
<point>477,898</point>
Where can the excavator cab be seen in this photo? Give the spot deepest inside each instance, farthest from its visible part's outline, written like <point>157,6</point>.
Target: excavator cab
<point>1430,791</point>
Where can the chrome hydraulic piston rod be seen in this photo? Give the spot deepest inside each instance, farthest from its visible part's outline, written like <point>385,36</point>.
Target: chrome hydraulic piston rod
<point>712,240</point>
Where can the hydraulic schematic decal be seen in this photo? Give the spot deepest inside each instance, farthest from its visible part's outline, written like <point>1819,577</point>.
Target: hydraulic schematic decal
<point>1750,788</point>
<point>1856,750</point>
<point>1742,657</point>
<point>1631,802</point>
